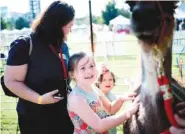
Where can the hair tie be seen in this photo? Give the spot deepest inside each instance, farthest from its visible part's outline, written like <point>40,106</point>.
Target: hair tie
<point>104,69</point>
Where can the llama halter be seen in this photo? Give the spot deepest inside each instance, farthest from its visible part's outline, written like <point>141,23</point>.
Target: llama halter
<point>165,89</point>
<point>162,80</point>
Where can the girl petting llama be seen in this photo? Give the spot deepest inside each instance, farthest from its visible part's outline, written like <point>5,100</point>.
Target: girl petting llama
<point>87,105</point>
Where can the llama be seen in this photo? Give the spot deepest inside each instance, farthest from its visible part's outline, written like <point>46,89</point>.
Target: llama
<point>153,24</point>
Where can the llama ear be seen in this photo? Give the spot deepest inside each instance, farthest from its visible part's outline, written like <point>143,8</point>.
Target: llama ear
<point>131,4</point>
<point>175,4</point>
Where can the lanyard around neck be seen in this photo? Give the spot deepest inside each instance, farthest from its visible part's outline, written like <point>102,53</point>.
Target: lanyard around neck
<point>61,59</point>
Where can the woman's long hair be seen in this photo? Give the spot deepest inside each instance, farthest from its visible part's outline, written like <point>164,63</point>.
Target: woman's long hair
<point>48,26</point>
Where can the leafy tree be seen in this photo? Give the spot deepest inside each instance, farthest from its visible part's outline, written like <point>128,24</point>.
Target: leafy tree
<point>6,24</point>
<point>97,19</point>
<point>21,23</point>
<point>100,20</point>
<point>3,24</point>
<point>10,24</point>
<point>110,12</point>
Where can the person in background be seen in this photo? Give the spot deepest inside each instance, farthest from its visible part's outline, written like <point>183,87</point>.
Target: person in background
<point>180,69</point>
<point>39,79</point>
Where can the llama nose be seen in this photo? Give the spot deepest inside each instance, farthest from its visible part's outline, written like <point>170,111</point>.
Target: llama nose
<point>142,12</point>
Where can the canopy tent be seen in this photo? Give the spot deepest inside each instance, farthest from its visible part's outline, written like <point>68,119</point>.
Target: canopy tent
<point>120,20</point>
<point>120,24</point>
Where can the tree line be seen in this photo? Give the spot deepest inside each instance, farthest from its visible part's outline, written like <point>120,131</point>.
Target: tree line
<point>110,13</point>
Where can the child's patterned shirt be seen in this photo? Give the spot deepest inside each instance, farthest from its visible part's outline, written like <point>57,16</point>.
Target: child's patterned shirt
<point>80,127</point>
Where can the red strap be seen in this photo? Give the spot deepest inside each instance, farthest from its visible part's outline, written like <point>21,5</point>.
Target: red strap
<point>61,59</point>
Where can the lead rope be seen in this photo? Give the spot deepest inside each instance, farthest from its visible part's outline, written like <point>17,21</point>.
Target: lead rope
<point>162,80</point>
<point>165,89</point>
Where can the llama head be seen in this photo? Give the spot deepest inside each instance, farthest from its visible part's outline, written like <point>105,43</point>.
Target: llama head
<point>152,22</point>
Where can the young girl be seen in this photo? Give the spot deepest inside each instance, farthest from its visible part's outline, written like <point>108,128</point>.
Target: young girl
<point>87,106</point>
<point>106,82</point>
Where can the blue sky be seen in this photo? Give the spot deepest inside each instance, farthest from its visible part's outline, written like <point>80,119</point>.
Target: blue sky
<point>81,8</point>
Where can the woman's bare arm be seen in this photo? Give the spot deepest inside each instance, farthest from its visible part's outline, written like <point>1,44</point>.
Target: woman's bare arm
<point>14,80</point>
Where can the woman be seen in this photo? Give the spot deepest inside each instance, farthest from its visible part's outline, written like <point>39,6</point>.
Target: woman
<point>39,79</point>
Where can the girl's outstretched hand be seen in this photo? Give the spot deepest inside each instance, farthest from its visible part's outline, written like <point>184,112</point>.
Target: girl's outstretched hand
<point>133,107</point>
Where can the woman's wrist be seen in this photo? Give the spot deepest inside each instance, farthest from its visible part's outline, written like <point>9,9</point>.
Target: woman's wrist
<point>39,100</point>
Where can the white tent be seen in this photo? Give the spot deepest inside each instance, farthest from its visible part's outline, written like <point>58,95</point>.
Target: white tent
<point>120,20</point>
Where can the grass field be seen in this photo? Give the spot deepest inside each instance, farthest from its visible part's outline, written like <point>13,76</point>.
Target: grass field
<point>124,67</point>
